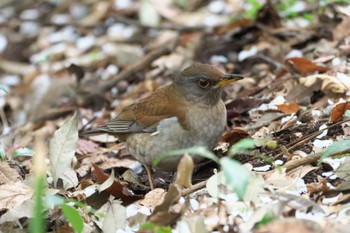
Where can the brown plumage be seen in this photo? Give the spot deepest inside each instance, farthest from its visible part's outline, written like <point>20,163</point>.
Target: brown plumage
<point>188,112</point>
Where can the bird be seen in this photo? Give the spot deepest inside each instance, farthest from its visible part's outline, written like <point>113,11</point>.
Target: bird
<point>186,113</point>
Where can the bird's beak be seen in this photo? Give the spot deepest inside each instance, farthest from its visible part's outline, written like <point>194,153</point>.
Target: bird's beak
<point>229,78</point>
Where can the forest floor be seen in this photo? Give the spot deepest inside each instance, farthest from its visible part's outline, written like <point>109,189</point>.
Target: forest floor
<point>66,67</point>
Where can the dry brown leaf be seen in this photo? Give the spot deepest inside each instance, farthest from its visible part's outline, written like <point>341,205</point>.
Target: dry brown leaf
<point>290,226</point>
<point>117,189</point>
<point>99,12</point>
<point>153,198</point>
<point>86,147</point>
<point>8,174</point>
<point>14,194</point>
<point>338,111</point>
<point>342,30</point>
<point>288,108</point>
<point>162,215</point>
<point>303,66</point>
<point>233,136</point>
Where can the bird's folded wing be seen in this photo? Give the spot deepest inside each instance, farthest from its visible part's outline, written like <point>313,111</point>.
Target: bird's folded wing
<point>145,115</point>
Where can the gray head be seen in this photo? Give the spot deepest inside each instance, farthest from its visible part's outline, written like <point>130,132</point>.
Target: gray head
<point>203,84</point>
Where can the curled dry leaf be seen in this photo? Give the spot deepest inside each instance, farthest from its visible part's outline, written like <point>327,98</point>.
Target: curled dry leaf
<point>338,111</point>
<point>303,66</point>
<point>329,83</point>
<point>288,108</point>
<point>117,189</point>
<point>233,136</point>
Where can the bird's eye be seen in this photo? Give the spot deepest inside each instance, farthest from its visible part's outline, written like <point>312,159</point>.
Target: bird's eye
<point>203,83</point>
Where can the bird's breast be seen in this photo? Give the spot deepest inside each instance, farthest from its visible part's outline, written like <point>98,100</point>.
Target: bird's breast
<point>205,126</point>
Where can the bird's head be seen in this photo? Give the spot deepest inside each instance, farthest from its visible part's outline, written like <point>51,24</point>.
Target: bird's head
<point>201,83</point>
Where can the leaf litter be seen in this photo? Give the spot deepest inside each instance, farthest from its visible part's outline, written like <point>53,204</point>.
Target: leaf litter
<point>98,57</point>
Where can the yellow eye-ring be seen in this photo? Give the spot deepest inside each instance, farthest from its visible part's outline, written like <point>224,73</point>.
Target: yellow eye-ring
<point>203,83</point>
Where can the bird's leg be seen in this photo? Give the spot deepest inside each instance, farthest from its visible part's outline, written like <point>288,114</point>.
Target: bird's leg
<point>149,175</point>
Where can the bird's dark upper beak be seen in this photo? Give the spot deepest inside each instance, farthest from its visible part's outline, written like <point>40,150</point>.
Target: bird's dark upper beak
<point>228,78</point>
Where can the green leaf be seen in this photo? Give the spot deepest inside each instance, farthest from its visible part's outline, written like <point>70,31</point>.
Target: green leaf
<point>154,228</point>
<point>267,219</point>
<point>73,217</point>
<point>347,113</point>
<point>3,88</point>
<point>2,153</point>
<point>198,150</point>
<point>335,148</point>
<point>237,176</point>
<point>23,152</point>
<point>308,16</point>
<point>53,200</point>
<point>37,223</point>
<point>241,146</point>
<point>255,4</point>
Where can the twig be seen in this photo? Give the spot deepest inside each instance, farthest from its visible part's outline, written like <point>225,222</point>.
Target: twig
<point>290,165</point>
<point>143,63</point>
<point>307,138</point>
<point>194,188</point>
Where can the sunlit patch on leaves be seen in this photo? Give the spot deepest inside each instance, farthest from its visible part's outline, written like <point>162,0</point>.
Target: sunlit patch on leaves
<point>241,146</point>
<point>340,147</point>
<point>23,152</point>
<point>73,217</point>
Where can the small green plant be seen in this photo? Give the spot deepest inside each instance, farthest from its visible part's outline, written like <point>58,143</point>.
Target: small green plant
<point>3,88</point>
<point>154,228</point>
<point>236,174</point>
<point>339,148</point>
<point>16,153</point>
<point>255,7</point>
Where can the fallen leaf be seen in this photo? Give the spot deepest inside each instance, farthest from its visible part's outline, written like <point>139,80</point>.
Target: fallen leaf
<point>162,215</point>
<point>62,148</point>
<point>117,189</point>
<point>338,111</point>
<point>184,171</point>
<point>303,66</point>
<point>14,194</point>
<point>153,198</point>
<point>86,147</point>
<point>233,136</point>
<point>288,108</point>
<point>329,83</point>
<point>23,210</point>
<point>115,218</point>
<point>7,174</point>
<point>290,226</point>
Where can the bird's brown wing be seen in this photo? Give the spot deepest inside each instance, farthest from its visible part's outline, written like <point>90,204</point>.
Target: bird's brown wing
<point>145,115</point>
